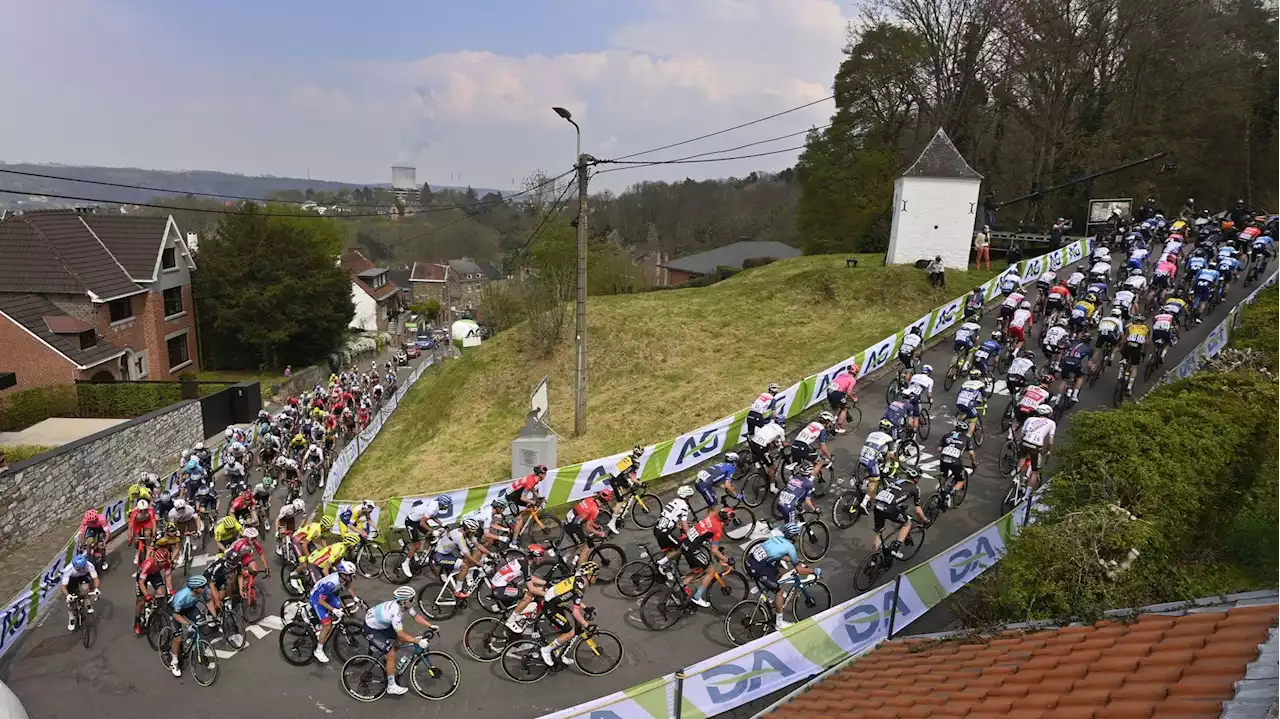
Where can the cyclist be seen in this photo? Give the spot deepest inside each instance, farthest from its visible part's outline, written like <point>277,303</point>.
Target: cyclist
<point>384,628</point>
<point>840,394</point>
<point>513,580</point>
<point>897,415</point>
<point>1075,281</point>
<point>812,441</point>
<point>762,567</point>
<point>142,525</point>
<point>622,481</point>
<point>1176,305</point>
<point>458,550</point>
<point>358,519</point>
<point>314,457</point>
<point>1135,343</point>
<point>1081,314</point>
<point>988,351</point>
<point>701,545</point>
<point>951,448</point>
<point>1009,283</point>
<point>1109,330</point>
<point>966,338</point>
<point>971,399</point>
<point>1021,321</point>
<point>326,601</point>
<point>523,494</point>
<point>1054,340</point>
<point>154,577</point>
<point>206,500</point>
<point>297,444</point>
<point>1228,267</point>
<point>185,609</point>
<point>1076,363</point>
<point>1127,300</point>
<point>1047,279</point>
<point>307,546</point>
<point>80,582</point>
<point>93,524</point>
<point>718,474</point>
<point>566,594</point>
<point>242,507</point>
<point>1012,301</point>
<point>1100,270</point>
<point>765,444</point>
<point>240,555</point>
<point>291,514</point>
<point>1020,372</point>
<point>1205,287</point>
<point>1035,438</point>
<point>973,304</point>
<point>144,488</point>
<point>762,408</point>
<point>1165,272</point>
<point>919,387</point>
<point>225,532</point>
<point>581,526</point>
<point>163,505</point>
<point>798,489</point>
<point>1261,250</point>
<point>423,517</point>
<point>184,515</point>
<point>1059,296</point>
<point>909,348</point>
<point>672,525</point>
<point>879,457</point>
<point>1163,333</point>
<point>890,504</point>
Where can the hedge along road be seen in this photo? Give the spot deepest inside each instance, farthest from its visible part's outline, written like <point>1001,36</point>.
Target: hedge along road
<point>123,678</point>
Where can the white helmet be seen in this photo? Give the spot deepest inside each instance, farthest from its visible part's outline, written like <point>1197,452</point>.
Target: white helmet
<point>299,505</point>
<point>249,533</point>
<point>404,594</point>
<point>1044,410</point>
<point>179,504</point>
<point>199,446</point>
<point>684,492</point>
<point>731,457</point>
<point>143,505</point>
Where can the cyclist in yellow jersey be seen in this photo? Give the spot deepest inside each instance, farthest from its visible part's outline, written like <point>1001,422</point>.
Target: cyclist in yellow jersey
<point>325,557</point>
<point>226,531</point>
<point>307,540</point>
<point>1135,343</point>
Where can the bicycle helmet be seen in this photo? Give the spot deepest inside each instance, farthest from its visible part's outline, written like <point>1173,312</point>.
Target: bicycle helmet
<point>346,568</point>
<point>500,504</point>
<point>179,504</point>
<point>1047,379</point>
<point>326,523</point>
<point>997,335</point>
<point>606,494</point>
<point>773,388</point>
<point>299,505</point>
<point>589,569</point>
<point>1135,272</point>
<point>637,451</point>
<point>540,470</point>
<point>79,562</point>
<point>90,515</point>
<point>731,457</point>
<point>351,540</point>
<point>853,368</point>
<point>1138,318</point>
<point>171,528</point>
<point>1025,305</point>
<point>685,492</point>
<point>725,513</point>
<point>536,551</point>
<point>1027,354</point>
<point>249,533</point>
<point>199,446</point>
<point>1062,322</point>
<point>471,525</point>
<point>779,420</point>
<point>975,373</point>
<point>367,505</point>
<point>962,425</point>
<point>404,593</point>
<point>915,331</point>
<point>444,501</point>
<point>927,369</point>
<point>142,505</point>
<point>1044,410</point>
<point>886,425</point>
<point>791,529</point>
<point>826,418</point>
<point>1117,312</point>
<point>197,581</point>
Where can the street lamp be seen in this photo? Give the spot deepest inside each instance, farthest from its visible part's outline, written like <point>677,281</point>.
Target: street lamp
<point>580,350</point>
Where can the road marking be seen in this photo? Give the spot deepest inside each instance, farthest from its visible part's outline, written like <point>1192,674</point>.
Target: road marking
<point>201,560</point>
<point>1000,387</point>
<point>272,622</point>
<point>258,632</point>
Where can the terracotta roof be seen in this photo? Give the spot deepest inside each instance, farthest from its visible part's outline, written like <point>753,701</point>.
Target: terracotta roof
<point>133,240</point>
<point>429,272</point>
<point>359,266</point>
<point>1159,666</point>
<point>940,158</point>
<point>64,325</point>
<point>355,263</point>
<point>30,311</point>
<point>77,252</point>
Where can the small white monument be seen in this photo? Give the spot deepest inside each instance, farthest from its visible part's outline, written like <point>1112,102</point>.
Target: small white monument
<point>934,207</point>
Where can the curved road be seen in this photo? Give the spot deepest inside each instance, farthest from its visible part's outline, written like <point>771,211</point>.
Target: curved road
<point>122,678</point>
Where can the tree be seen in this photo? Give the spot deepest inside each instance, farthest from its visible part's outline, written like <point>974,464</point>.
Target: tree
<point>271,291</point>
<point>424,197</point>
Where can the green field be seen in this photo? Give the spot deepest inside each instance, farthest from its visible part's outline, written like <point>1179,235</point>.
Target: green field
<point>659,363</point>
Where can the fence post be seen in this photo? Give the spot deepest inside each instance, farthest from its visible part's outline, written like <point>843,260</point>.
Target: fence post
<point>679,695</point>
<point>1026,518</point>
<point>893,611</point>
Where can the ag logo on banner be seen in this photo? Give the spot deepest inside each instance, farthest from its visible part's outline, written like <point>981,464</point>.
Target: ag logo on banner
<point>1035,268</point>
<point>1075,251</point>
<point>14,620</point>
<point>878,355</point>
<point>947,316</point>
<point>697,446</point>
<point>727,682</point>
<point>595,472</point>
<point>867,621</point>
<point>965,561</point>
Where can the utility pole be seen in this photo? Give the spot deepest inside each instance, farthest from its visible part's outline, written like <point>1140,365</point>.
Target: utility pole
<point>580,314</point>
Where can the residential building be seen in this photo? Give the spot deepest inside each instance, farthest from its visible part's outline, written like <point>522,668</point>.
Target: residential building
<point>95,296</point>
<point>935,203</point>
<point>375,296</point>
<point>683,269</point>
<point>470,279</point>
<point>431,281</point>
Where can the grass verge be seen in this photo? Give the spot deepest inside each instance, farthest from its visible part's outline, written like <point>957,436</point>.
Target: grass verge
<point>14,453</point>
<point>660,363</point>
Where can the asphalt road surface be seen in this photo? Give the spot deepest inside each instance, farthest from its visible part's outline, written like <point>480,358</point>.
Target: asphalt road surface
<point>121,678</point>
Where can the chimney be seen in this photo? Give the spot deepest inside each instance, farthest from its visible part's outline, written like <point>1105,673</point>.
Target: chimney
<point>193,242</point>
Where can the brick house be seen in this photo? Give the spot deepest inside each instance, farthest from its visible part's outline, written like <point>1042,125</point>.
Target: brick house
<point>469,279</point>
<point>88,296</point>
<point>683,269</point>
<point>375,296</point>
<point>432,281</point>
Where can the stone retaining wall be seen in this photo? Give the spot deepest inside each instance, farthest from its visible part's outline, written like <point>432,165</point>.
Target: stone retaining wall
<point>58,485</point>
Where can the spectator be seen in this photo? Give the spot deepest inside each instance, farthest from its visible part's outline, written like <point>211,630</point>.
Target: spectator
<point>989,210</point>
<point>288,371</point>
<point>936,276</point>
<point>1014,255</point>
<point>982,244</point>
<point>1057,231</point>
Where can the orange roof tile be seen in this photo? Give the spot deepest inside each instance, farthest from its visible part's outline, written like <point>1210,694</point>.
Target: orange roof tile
<point>1159,665</point>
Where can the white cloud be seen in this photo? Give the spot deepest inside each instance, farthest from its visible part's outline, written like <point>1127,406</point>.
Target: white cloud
<point>682,69</point>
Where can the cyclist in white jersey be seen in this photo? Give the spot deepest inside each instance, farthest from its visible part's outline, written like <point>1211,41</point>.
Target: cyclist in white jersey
<point>1036,439</point>
<point>1126,300</point>
<point>384,628</point>
<point>1046,280</point>
<point>1021,370</point>
<point>765,443</point>
<point>422,517</point>
<point>910,343</point>
<point>1054,339</point>
<point>1075,280</point>
<point>1109,330</point>
<point>1136,281</point>
<point>919,388</point>
<point>762,408</point>
<point>672,525</point>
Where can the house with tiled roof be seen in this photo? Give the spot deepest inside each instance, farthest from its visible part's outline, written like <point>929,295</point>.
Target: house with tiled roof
<point>1208,658</point>
<point>375,296</point>
<point>94,296</point>
<point>432,281</point>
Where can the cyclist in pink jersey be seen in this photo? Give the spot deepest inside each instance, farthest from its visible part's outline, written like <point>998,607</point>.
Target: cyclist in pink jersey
<point>840,394</point>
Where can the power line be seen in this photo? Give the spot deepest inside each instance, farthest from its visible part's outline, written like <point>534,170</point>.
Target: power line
<point>554,209</point>
<point>709,159</point>
<point>691,158</point>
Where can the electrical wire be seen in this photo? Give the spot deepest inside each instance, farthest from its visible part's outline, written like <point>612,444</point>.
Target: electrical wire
<point>554,209</point>
<point>708,159</point>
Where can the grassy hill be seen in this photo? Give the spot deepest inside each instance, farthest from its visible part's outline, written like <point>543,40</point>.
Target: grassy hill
<point>659,363</point>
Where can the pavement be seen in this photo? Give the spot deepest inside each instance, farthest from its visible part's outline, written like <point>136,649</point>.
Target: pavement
<point>57,431</point>
<point>54,673</point>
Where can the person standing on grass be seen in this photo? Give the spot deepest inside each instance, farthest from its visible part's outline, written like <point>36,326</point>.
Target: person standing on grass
<point>982,244</point>
<point>936,276</point>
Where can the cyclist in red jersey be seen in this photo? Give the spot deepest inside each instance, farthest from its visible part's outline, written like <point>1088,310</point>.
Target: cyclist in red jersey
<point>523,494</point>
<point>155,577</point>
<point>240,556</point>
<point>701,545</point>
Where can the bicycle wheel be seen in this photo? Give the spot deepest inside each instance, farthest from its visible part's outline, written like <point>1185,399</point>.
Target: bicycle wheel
<point>611,559</point>
<point>869,571</point>
<point>647,510</point>
<point>163,641</point>
<point>204,664</point>
<point>855,418</point>
<point>958,495</point>
<point>909,452</point>
<point>546,531</point>
<point>1008,461</point>
<point>485,638</point>
<point>522,662</point>
<point>932,507</point>
<point>950,377</point>
<point>297,644</point>
<point>313,483</point>
<point>747,621</point>
<point>845,510</point>
<point>1006,419</point>
<point>156,623</point>
<point>979,433</point>
<point>661,608</point>
<point>815,539</point>
<point>731,588</point>
<point>741,524</point>
<point>755,488</point>
<point>1117,395</point>
<point>348,640</point>
<point>1011,498</point>
<point>598,654</point>
<point>288,585</point>
<point>815,599</point>
<point>364,678</point>
<point>635,578</point>
<point>925,421</point>
<point>88,624</point>
<point>254,608</point>
<point>434,675</point>
<point>393,566</point>
<point>892,391</point>
<point>231,625</point>
<point>437,602</point>
<point>826,478</point>
<point>484,597</point>
<point>369,561</point>
<point>915,540</point>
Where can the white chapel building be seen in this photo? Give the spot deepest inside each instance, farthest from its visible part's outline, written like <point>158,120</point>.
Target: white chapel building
<point>935,206</point>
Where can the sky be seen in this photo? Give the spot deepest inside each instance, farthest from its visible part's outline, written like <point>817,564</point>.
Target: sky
<point>341,90</point>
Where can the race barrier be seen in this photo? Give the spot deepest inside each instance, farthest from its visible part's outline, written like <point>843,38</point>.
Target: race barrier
<point>20,613</point>
<point>573,482</point>
<point>1217,339</point>
<point>806,649</point>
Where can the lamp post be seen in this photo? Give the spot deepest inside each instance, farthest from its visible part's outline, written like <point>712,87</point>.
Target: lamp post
<point>580,340</point>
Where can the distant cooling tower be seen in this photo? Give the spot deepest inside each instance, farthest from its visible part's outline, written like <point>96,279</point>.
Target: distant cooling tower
<point>404,177</point>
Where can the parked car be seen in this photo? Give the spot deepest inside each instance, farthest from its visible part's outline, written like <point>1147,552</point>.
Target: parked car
<point>411,349</point>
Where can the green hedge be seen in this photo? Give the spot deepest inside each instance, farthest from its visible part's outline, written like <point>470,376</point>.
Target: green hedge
<point>20,410</point>
<point>1259,326</point>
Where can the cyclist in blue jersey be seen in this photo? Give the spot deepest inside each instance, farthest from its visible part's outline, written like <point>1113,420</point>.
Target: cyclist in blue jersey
<point>1076,361</point>
<point>384,628</point>
<point>1196,262</point>
<point>1204,286</point>
<point>717,474</point>
<point>988,352</point>
<point>971,399</point>
<point>1228,266</point>
<point>798,489</point>
<point>763,561</point>
<point>187,612</point>
<point>1261,250</point>
<point>895,417</point>
<point>973,303</point>
<point>326,602</point>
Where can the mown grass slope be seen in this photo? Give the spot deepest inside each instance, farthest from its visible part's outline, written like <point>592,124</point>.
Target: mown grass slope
<point>659,363</point>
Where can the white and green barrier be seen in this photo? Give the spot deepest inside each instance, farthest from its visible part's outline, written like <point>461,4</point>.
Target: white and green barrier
<point>566,484</point>
<point>1217,339</point>
<point>806,649</point>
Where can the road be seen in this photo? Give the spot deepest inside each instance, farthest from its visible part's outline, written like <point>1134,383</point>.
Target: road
<point>55,675</point>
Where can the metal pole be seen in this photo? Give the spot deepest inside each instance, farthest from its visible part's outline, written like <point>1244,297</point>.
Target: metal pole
<point>580,388</point>
<point>893,611</point>
<point>1026,518</point>
<point>679,695</point>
